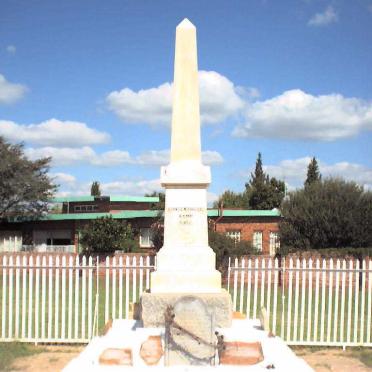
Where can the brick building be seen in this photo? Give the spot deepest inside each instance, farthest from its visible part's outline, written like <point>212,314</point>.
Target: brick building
<point>59,231</point>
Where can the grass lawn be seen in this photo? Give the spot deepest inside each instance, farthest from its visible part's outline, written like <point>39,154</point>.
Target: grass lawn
<point>288,323</point>
<point>363,354</point>
<point>9,351</point>
<point>335,359</point>
<point>54,322</point>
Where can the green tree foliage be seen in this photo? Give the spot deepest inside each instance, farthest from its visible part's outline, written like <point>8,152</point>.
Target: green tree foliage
<point>160,205</point>
<point>157,227</point>
<point>95,189</point>
<point>226,247</point>
<point>264,192</point>
<point>327,214</point>
<point>157,233</point>
<point>25,187</point>
<point>231,199</point>
<point>313,174</point>
<point>107,235</point>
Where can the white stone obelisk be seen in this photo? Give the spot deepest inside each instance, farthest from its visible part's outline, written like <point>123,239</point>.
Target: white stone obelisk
<point>186,264</point>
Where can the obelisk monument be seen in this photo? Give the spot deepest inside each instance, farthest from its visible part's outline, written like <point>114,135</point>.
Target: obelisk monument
<point>186,263</point>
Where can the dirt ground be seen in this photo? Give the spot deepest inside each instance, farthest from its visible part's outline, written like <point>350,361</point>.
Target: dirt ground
<point>56,357</point>
<point>53,359</point>
<point>327,360</point>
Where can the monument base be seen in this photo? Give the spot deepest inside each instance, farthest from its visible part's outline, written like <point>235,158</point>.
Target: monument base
<point>186,282</point>
<point>153,306</point>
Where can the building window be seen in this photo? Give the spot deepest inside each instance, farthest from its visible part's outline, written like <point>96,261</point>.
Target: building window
<point>234,234</point>
<point>257,240</point>
<point>145,237</point>
<point>85,208</point>
<point>274,243</point>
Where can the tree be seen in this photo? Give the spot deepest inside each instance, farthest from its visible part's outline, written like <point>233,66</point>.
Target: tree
<point>313,174</point>
<point>95,189</point>
<point>107,235</point>
<point>327,214</point>
<point>25,187</point>
<point>160,205</point>
<point>264,192</point>
<point>231,199</point>
<point>225,247</point>
<point>157,227</point>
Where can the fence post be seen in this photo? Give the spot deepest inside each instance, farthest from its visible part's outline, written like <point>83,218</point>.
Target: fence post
<point>235,291</point>
<point>4,310</point>
<point>76,307</point>
<point>228,275</point>
<point>90,290</point>
<point>30,296</point>
<point>70,286</point>
<point>282,278</point>
<point>107,291</point>
<point>310,300</point>
<point>17,303</point>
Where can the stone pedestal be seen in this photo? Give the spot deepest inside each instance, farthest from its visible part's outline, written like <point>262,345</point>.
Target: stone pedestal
<point>153,306</point>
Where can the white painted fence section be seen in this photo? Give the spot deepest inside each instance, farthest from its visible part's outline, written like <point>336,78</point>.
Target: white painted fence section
<point>67,299</point>
<point>329,303</point>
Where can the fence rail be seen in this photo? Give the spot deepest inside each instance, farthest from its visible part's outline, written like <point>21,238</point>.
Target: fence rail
<point>307,302</point>
<point>66,298</point>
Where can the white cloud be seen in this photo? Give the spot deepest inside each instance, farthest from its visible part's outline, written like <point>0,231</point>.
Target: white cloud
<point>10,92</point>
<point>11,49</point>
<point>53,132</point>
<point>162,157</point>
<point>63,178</point>
<point>131,187</point>
<point>211,157</point>
<point>219,99</point>
<point>350,171</point>
<point>293,171</point>
<point>324,18</point>
<point>62,156</point>
<point>154,157</point>
<point>70,186</point>
<point>211,198</point>
<point>111,158</point>
<point>298,115</point>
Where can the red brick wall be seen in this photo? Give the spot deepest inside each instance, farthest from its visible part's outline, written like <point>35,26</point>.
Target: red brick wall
<point>107,206</point>
<point>247,226</point>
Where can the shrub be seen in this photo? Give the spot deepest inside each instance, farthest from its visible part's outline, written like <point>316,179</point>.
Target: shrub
<point>331,213</point>
<point>107,235</point>
<point>226,247</point>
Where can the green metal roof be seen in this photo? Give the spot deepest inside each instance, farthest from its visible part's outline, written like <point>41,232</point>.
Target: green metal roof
<point>93,216</point>
<point>140,199</point>
<point>245,213</point>
<point>88,198</point>
<point>149,214</point>
<point>73,199</point>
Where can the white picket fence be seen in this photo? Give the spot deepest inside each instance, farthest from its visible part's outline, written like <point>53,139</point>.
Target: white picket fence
<point>321,302</point>
<point>67,299</point>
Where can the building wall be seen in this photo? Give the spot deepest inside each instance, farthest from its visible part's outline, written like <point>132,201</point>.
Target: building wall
<point>247,227</point>
<point>105,206</point>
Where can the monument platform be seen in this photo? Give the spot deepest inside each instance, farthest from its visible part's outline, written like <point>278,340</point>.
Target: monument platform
<point>129,335</point>
<point>154,305</point>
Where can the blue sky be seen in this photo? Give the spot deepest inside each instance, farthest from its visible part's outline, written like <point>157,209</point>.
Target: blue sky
<point>89,83</point>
